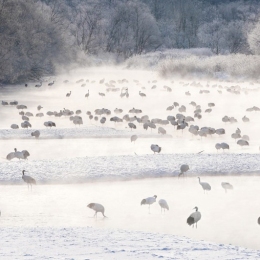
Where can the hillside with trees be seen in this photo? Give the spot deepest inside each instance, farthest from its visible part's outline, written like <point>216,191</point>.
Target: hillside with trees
<point>38,36</point>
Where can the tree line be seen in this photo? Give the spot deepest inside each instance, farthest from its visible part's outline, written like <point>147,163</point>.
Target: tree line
<point>37,36</point>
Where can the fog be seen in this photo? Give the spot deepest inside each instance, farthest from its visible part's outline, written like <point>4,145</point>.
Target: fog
<point>226,218</point>
<point>229,218</point>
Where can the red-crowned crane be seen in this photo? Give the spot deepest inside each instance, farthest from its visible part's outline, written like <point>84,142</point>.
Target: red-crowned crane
<point>28,179</point>
<point>97,208</point>
<point>194,218</point>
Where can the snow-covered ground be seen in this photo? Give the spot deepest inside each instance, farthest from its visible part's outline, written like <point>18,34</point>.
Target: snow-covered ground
<point>104,154</point>
<point>90,243</point>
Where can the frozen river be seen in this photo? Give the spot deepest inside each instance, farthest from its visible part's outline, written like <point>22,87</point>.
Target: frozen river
<point>102,152</point>
<point>224,215</point>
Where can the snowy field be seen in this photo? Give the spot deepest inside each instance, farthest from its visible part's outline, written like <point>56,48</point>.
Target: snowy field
<point>114,171</point>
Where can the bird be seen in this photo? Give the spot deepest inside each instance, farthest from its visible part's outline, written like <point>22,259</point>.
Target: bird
<point>39,107</point>
<point>142,94</point>
<point>224,146</point>
<point>164,205</point>
<point>28,179</point>
<point>204,185</point>
<point>245,119</point>
<point>132,125</point>
<point>242,142</point>
<point>101,94</point>
<point>184,168</point>
<point>68,94</point>
<point>133,138</point>
<point>194,218</point>
<point>49,123</point>
<point>226,186</point>
<point>13,103</point>
<point>218,146</point>
<point>103,120</point>
<point>87,95</point>
<point>16,154</point>
<point>38,85</point>
<point>156,148</point>
<point>258,221</point>
<point>149,201</point>
<point>51,83</point>
<point>14,126</point>
<point>39,115</point>
<point>36,134</point>
<point>97,208</point>
<point>161,130</point>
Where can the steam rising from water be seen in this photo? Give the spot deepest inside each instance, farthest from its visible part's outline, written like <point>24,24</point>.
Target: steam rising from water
<point>226,218</point>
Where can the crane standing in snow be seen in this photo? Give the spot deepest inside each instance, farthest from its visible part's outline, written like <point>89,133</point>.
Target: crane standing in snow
<point>149,201</point>
<point>184,168</point>
<point>194,218</point>
<point>28,179</point>
<point>204,185</point>
<point>164,205</point>
<point>226,186</point>
<point>97,208</point>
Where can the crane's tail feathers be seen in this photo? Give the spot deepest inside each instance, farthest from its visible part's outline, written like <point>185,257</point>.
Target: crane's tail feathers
<point>190,221</point>
<point>143,202</point>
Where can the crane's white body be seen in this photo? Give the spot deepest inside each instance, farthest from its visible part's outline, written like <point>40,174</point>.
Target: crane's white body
<point>226,186</point>
<point>194,218</point>
<point>149,201</point>
<point>164,205</point>
<point>97,208</point>
<point>204,185</point>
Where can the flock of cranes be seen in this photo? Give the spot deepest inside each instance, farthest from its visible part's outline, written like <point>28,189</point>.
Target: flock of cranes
<point>180,121</point>
<point>135,119</point>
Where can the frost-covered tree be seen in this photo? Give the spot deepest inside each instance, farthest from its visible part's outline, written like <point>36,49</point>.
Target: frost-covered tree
<point>254,39</point>
<point>30,44</point>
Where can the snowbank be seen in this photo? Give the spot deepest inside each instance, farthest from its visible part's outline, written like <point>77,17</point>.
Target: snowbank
<point>84,169</point>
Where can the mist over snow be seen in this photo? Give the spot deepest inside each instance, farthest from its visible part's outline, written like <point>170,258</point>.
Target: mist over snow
<point>76,164</point>
<point>143,111</point>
